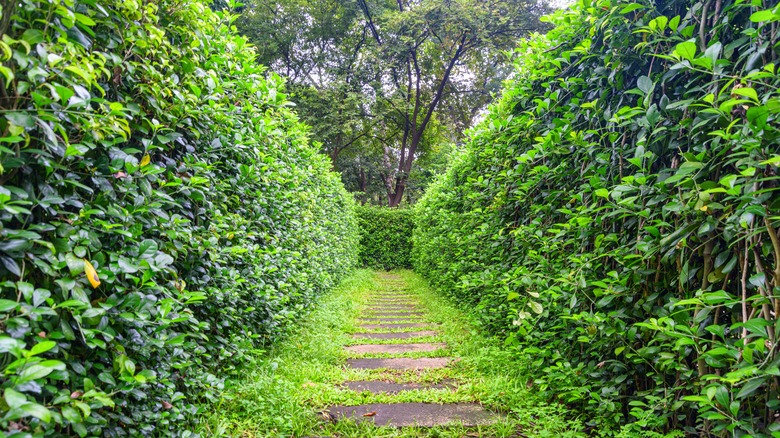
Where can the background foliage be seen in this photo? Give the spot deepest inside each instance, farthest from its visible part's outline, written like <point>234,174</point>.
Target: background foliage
<point>385,83</point>
<point>615,216</point>
<point>385,237</point>
<point>161,212</point>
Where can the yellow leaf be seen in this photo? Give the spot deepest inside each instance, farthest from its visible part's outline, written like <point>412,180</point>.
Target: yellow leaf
<point>146,160</point>
<point>92,275</point>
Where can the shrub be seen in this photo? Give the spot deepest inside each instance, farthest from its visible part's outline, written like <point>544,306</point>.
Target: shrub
<point>615,215</point>
<point>385,237</point>
<point>162,212</point>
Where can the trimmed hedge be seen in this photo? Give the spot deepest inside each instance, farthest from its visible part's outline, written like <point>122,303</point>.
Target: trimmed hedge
<point>615,216</point>
<point>161,213</point>
<point>385,237</point>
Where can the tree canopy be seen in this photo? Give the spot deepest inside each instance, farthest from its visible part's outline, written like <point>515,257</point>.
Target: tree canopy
<point>381,82</point>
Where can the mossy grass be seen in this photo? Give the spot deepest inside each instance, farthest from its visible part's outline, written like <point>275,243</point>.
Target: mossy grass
<point>283,392</point>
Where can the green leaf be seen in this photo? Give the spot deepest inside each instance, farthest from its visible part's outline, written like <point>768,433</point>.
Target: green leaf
<point>80,73</point>
<point>645,84</point>
<point>686,50</point>
<point>38,411</point>
<point>75,264</point>
<point>758,116</point>
<point>147,249</point>
<point>42,347</point>
<point>536,307</point>
<point>13,398</point>
<point>70,414</point>
<point>631,8</point>
<point>758,280</point>
<point>761,16</point>
<point>750,387</point>
<point>7,305</point>
<point>747,92</point>
<point>722,396</point>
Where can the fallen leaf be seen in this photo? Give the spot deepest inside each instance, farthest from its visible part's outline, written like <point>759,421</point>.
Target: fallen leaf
<point>76,394</point>
<point>166,405</point>
<point>120,175</point>
<point>370,414</point>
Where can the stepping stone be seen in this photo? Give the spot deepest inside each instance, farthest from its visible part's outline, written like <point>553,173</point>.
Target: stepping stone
<point>416,414</point>
<point>392,326</point>
<point>387,320</point>
<point>393,299</point>
<point>410,315</point>
<point>396,348</point>
<point>403,335</point>
<point>391,308</point>
<point>379,387</point>
<point>400,363</point>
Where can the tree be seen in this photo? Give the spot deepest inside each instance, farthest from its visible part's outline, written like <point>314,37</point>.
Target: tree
<point>373,74</point>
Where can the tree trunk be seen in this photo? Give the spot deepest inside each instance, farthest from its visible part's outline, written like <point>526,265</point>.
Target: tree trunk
<point>394,200</point>
<point>362,185</point>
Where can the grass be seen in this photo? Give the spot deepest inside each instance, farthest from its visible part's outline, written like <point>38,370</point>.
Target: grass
<point>283,392</point>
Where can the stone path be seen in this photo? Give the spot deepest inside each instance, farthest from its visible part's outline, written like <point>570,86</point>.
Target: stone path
<point>391,326</point>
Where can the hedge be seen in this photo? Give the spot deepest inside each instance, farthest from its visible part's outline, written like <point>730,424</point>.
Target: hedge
<point>385,237</point>
<point>161,212</point>
<point>615,215</point>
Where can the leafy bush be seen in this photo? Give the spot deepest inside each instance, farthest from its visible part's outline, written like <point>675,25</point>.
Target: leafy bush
<point>615,216</point>
<point>385,237</point>
<point>162,211</point>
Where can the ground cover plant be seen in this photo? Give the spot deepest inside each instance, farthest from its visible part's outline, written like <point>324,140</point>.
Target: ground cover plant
<point>615,216</point>
<point>385,237</point>
<point>161,213</point>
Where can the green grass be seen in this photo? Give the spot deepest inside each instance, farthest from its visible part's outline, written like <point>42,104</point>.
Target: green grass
<point>281,393</point>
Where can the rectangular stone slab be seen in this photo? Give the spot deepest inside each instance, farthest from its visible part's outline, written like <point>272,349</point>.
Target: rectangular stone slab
<point>416,414</point>
<point>404,335</point>
<point>393,314</point>
<point>395,348</point>
<point>400,363</point>
<point>391,309</point>
<point>379,387</point>
<point>391,326</point>
<point>388,320</point>
<point>393,299</point>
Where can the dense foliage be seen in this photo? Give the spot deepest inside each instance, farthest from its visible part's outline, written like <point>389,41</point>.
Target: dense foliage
<point>162,212</point>
<point>385,237</point>
<point>615,216</point>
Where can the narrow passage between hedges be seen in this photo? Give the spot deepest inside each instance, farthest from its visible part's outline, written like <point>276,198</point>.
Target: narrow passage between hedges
<point>385,356</point>
<point>401,349</point>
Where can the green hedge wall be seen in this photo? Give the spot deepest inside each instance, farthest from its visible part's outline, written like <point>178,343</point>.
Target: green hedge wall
<point>385,237</point>
<point>615,216</point>
<point>161,212</point>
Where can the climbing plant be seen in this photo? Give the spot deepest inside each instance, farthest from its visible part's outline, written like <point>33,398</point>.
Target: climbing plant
<point>615,215</point>
<point>161,212</point>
